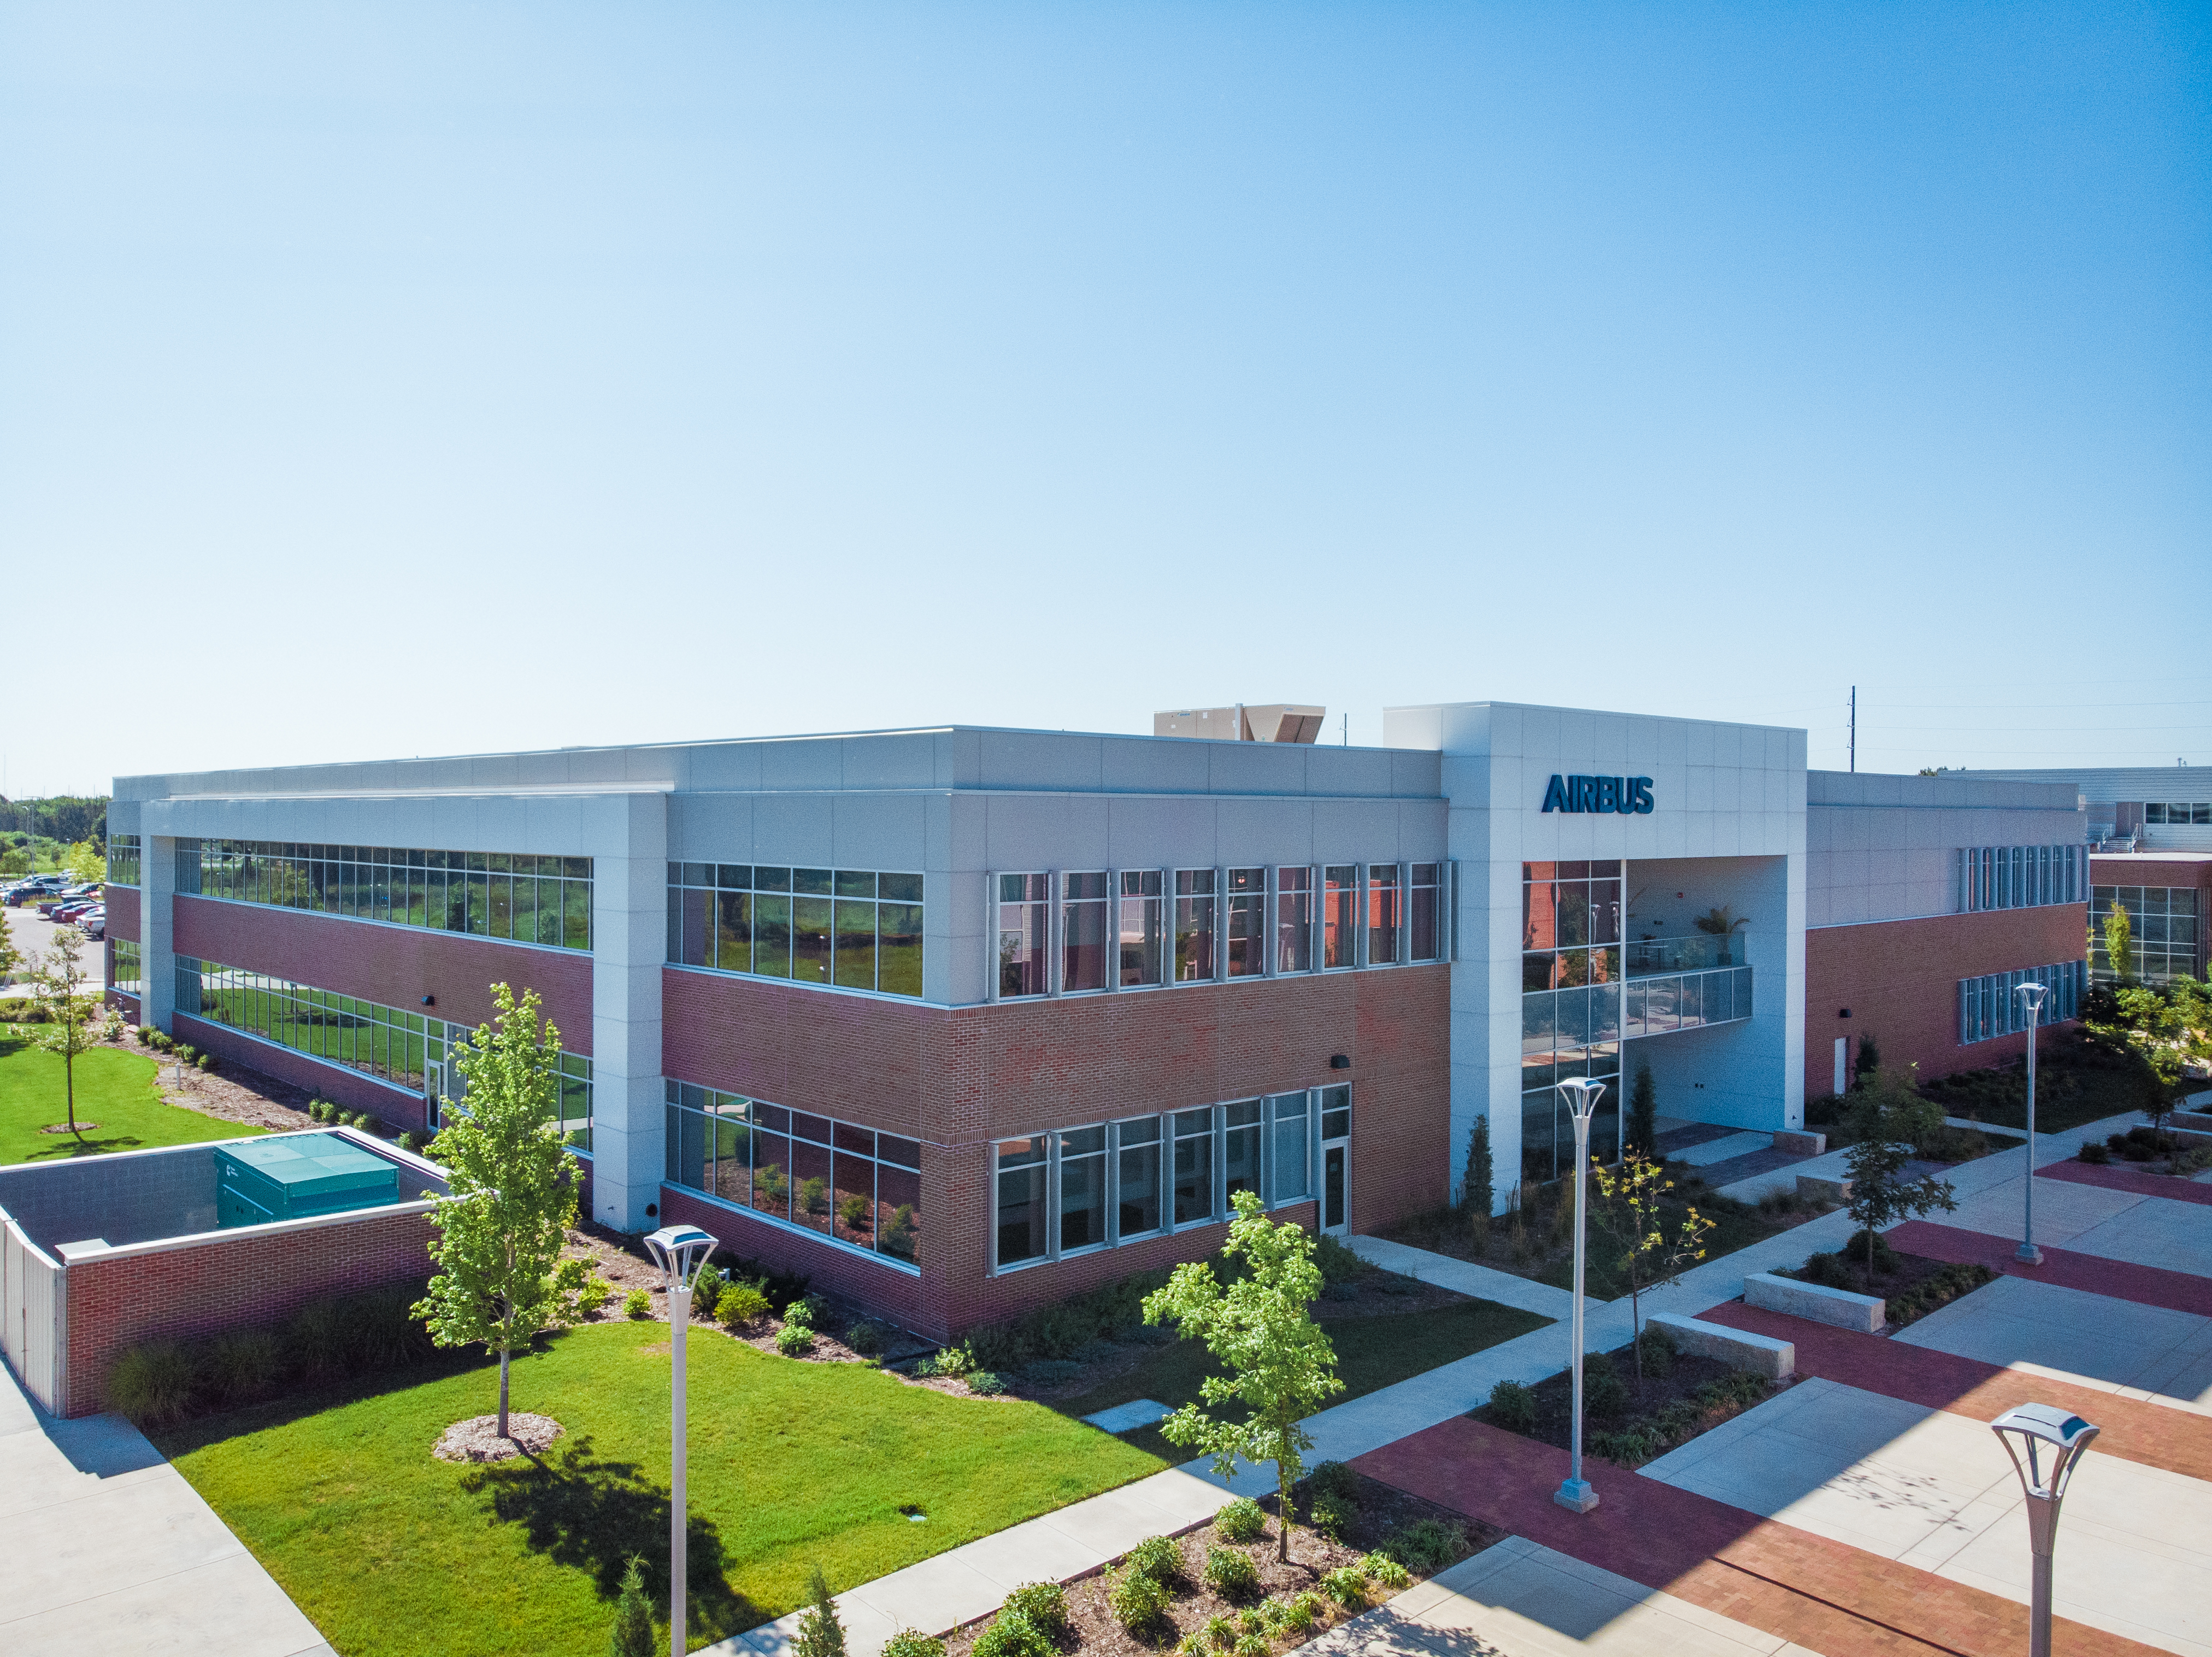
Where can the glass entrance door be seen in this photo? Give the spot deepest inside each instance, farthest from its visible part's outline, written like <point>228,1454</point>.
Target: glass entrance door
<point>1336,1160</point>
<point>1333,1205</point>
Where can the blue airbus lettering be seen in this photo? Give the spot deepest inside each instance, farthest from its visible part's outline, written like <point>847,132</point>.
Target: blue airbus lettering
<point>1628,795</point>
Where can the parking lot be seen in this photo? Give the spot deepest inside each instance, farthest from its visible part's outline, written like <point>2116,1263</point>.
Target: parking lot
<point>30,933</point>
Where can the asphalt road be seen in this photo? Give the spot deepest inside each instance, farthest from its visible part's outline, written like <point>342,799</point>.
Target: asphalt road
<point>30,933</point>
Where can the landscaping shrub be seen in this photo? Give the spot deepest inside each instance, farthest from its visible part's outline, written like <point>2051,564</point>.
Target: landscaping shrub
<point>795,1338</point>
<point>2099,1154</point>
<point>154,1384</point>
<point>1939,1290</point>
<point>1045,1604</point>
<point>381,1329</point>
<point>952,1363</point>
<point>985,1383</point>
<point>633,1630</point>
<point>243,1366</point>
<point>1334,1478</point>
<point>1253,1645</point>
<point>864,1338</point>
<point>1338,1263</point>
<point>780,1288</point>
<point>1096,1349</point>
<point>1383,1568</point>
<point>205,1062</point>
<point>913,1643</point>
<point>804,1310</point>
<point>1013,1634</point>
<point>1061,1330</point>
<point>741,1303</point>
<point>320,1343</point>
<point>1299,1619</point>
<point>1229,1573</point>
<point>596,1293</point>
<point>1347,1586</point>
<point>1242,1521</point>
<point>1218,1633</point>
<point>1512,1406</point>
<point>820,1632</point>
<point>637,1304</point>
<point>1656,1347</point>
<point>1831,1271</point>
<point>1160,1557</point>
<point>1426,1545</point>
<point>1138,1601</point>
<point>706,1292</point>
<point>1605,1395</point>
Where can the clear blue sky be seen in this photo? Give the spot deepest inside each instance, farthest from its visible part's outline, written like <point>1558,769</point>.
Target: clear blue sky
<point>393,378</point>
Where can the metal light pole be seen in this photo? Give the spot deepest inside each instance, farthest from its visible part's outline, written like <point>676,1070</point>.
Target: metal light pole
<point>679,1252</point>
<point>2061,1439</point>
<point>1580,1094</point>
<point>2031,998</point>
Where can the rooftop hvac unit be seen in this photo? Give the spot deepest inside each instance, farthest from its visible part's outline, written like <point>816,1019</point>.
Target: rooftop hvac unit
<point>291,1176</point>
<point>1244,722</point>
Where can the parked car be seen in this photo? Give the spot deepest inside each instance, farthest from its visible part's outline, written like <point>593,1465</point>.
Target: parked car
<point>35,886</point>
<point>94,922</point>
<point>75,895</point>
<point>70,910</point>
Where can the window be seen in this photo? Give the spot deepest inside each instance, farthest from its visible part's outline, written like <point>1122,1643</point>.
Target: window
<point>835,1180</point>
<point>123,860</point>
<point>1193,1166</point>
<point>1425,914</point>
<point>545,901</point>
<point>126,968</point>
<point>1137,1176</point>
<point>2021,877</point>
<point>1143,955</point>
<point>2177,813</point>
<point>855,928</point>
<point>1083,932</point>
<point>1989,1006</point>
<point>1022,900</point>
<point>1289,1176</point>
<point>1240,1149</point>
<point>1382,916</point>
<point>2165,928</point>
<point>1339,921</point>
<point>1082,1189</point>
<point>1294,920</point>
<point>1022,1208</point>
<point>1248,923</point>
<point>1194,925</point>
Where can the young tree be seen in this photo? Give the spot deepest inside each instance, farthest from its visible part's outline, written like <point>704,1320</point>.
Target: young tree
<point>1478,1191</point>
<point>83,861</point>
<point>633,1635</point>
<point>1629,1213</point>
<point>2120,943</point>
<point>499,1234</point>
<point>1281,1366</point>
<point>11,957</point>
<point>820,1633</point>
<point>1643,1113</point>
<point>1888,1121</point>
<point>58,982</point>
<point>15,861</point>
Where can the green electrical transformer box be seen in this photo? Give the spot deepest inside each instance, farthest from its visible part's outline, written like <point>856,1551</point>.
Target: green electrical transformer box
<point>294,1175</point>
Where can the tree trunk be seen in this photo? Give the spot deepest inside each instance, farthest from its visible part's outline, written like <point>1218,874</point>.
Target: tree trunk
<point>1283,1518</point>
<point>68,1087</point>
<point>1635,1331</point>
<point>502,1391</point>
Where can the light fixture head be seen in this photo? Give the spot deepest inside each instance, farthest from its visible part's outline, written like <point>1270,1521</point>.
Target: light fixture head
<point>2031,995</point>
<point>1581,1096</point>
<point>2050,1438</point>
<point>680,1252</point>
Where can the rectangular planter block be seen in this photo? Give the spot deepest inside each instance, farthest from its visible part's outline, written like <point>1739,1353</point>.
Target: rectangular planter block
<point>1739,1348</point>
<point>2196,1121</point>
<point>1802,1144</point>
<point>1838,1306</point>
<point>1812,1188</point>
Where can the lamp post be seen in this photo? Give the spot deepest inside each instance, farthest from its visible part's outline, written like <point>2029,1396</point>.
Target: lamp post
<point>2031,998</point>
<point>679,1252</point>
<point>1580,1094</point>
<point>2043,1433</point>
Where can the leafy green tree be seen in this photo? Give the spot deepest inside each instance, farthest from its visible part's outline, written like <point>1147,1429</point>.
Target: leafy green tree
<point>499,1234</point>
<point>2120,943</point>
<point>633,1635</point>
<point>84,862</point>
<point>58,982</point>
<point>2158,1030</point>
<point>1888,1124</point>
<point>1478,1191</point>
<point>820,1633</point>
<point>1643,1113</point>
<point>1629,1213</point>
<point>1281,1366</point>
<point>15,861</point>
<point>10,956</point>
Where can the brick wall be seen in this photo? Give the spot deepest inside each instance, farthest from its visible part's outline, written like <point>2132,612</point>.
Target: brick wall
<point>122,912</point>
<point>391,965</point>
<point>1900,979</point>
<point>204,1288</point>
<point>958,1078</point>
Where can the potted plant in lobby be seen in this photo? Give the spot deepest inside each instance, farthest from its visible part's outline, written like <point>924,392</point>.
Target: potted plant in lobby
<point>1723,923</point>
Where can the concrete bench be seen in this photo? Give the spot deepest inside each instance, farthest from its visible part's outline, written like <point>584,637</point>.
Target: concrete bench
<point>1815,1301</point>
<point>1807,1143</point>
<point>2192,1121</point>
<point>1739,1348</point>
<point>1813,1188</point>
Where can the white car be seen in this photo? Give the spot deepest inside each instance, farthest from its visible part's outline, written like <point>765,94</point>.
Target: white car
<point>94,922</point>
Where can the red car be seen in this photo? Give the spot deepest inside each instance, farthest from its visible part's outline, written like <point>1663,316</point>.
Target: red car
<point>75,909</point>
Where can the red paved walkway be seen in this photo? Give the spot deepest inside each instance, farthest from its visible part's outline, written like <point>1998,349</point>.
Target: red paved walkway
<point>2134,1430</point>
<point>2123,1280</point>
<point>1829,1598</point>
<point>2113,1178</point>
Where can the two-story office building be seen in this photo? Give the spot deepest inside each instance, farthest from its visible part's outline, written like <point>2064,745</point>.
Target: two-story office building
<point>962,1020</point>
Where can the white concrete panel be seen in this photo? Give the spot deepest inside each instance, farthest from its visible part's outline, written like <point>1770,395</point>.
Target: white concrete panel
<point>798,828</point>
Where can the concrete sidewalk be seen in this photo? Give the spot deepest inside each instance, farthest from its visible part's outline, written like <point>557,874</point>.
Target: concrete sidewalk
<point>110,1551</point>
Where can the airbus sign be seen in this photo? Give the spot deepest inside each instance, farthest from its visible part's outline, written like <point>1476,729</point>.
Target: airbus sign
<point>1629,795</point>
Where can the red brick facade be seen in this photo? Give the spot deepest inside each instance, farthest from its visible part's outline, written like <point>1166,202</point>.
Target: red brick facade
<point>1900,979</point>
<point>122,903</point>
<point>391,965</point>
<point>958,1078</point>
<point>204,1288</point>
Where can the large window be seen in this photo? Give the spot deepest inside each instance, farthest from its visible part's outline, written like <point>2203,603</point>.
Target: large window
<point>397,1047</point>
<point>1194,925</point>
<point>123,860</point>
<point>1294,920</point>
<point>1067,1192</point>
<point>1989,1006</point>
<point>1144,953</point>
<point>854,928</point>
<point>126,967</point>
<point>1024,944</point>
<point>1248,923</point>
<point>2021,877</point>
<point>2164,927</point>
<point>519,897</point>
<point>1570,918</point>
<point>1083,931</point>
<point>2178,813</point>
<point>1340,913</point>
<point>833,1181</point>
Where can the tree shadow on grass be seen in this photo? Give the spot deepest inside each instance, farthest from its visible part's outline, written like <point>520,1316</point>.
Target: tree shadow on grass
<point>591,1515</point>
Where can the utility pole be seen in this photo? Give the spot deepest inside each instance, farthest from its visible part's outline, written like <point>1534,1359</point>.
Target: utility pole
<point>1855,727</point>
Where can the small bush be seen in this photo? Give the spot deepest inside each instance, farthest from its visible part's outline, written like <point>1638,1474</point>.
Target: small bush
<point>1381,1568</point>
<point>320,1343</point>
<point>913,1643</point>
<point>1656,1347</point>
<point>985,1383</point>
<point>1332,1515</point>
<point>1160,1557</point>
<point>241,1366</point>
<point>596,1293</point>
<point>1219,1633</point>
<point>1044,1603</point>
<point>1229,1573</point>
<point>1605,1395</point>
<point>1347,1586</point>
<point>1013,1634</point>
<point>739,1304</point>
<point>1094,1350</point>
<point>1426,1545</point>
<point>1138,1601</point>
<point>1338,1263</point>
<point>637,1304</point>
<point>795,1338</point>
<point>706,1292</point>
<point>2097,1154</point>
<point>154,1384</point>
<point>802,1311</point>
<point>205,1062</point>
<point>318,1110</point>
<point>1299,1619</point>
<point>1253,1645</point>
<point>1334,1478</point>
<point>1512,1406</point>
<point>1242,1521</point>
<point>864,1338</point>
<point>952,1363</point>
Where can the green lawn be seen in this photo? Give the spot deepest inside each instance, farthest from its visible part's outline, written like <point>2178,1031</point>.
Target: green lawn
<point>1371,1353</point>
<point>113,1088</point>
<point>392,1551</point>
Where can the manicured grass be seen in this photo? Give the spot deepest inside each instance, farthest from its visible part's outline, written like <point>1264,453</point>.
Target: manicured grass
<point>395,1554</point>
<point>113,1088</point>
<point>1371,1353</point>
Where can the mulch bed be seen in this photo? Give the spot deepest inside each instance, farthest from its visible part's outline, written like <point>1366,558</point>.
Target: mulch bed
<point>1382,1512</point>
<point>1555,1396</point>
<point>478,1438</point>
<point>1922,1283</point>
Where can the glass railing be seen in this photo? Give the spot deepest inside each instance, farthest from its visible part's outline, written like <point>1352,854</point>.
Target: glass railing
<point>1699,952</point>
<point>1685,1000</point>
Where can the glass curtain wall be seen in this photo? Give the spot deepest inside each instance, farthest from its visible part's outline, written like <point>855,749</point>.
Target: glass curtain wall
<point>1989,1007</point>
<point>2164,927</point>
<point>1571,1007</point>
<point>123,860</point>
<point>854,928</point>
<point>524,899</point>
<point>126,967</point>
<point>2021,877</point>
